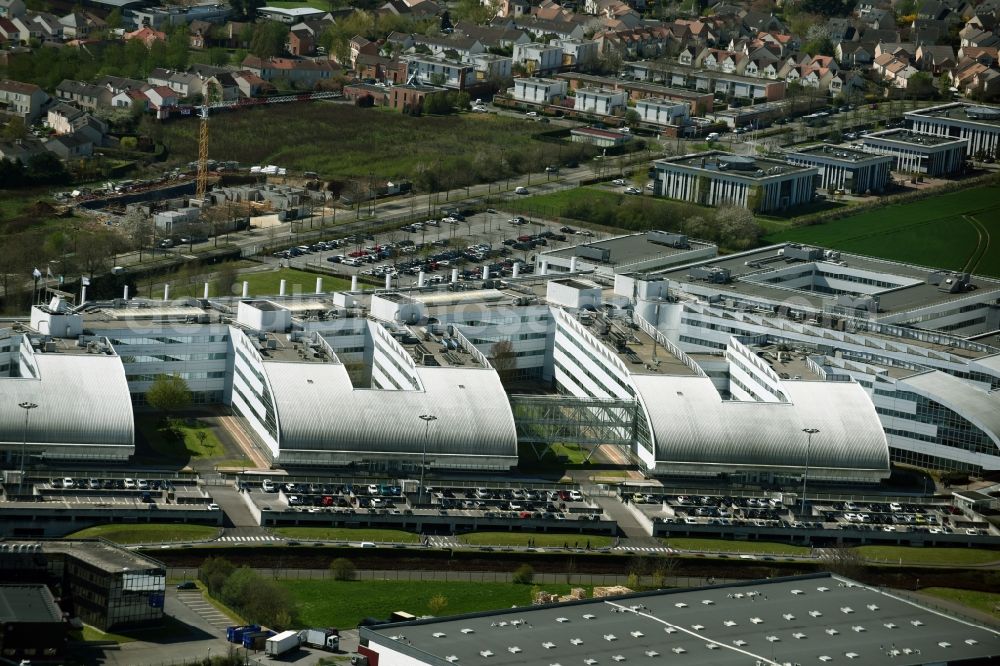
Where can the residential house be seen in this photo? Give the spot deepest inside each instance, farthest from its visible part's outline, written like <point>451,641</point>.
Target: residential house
<point>439,72</point>
<point>10,35</point>
<point>301,43</point>
<point>303,72</point>
<point>199,32</point>
<point>49,27</point>
<point>987,55</point>
<point>662,111</point>
<point>600,101</point>
<point>538,58</point>
<point>896,70</point>
<point>425,9</point>
<point>251,85</point>
<point>21,149</point>
<point>184,84</point>
<point>127,99</point>
<point>70,146</point>
<point>513,8</point>
<point>26,29</point>
<point>24,100</point>
<point>636,43</point>
<point>359,45</point>
<point>855,54</point>
<point>537,90</point>
<point>573,28</point>
<point>972,36</point>
<point>493,36</point>
<point>10,9</point>
<point>454,46</point>
<point>84,95</point>
<point>380,68</point>
<point>730,62</point>
<point>491,67</point>
<point>935,58</point>
<point>755,22</point>
<point>60,116</point>
<point>74,26</point>
<point>161,98</point>
<point>578,52</point>
<point>117,84</point>
<point>147,36</point>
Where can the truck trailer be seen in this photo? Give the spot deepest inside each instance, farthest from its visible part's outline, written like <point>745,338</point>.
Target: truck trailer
<point>277,645</point>
<point>324,639</point>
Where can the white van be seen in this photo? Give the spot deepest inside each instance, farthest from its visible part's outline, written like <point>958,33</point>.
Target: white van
<point>713,136</point>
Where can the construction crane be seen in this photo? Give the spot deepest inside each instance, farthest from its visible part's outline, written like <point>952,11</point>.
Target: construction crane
<point>202,154</point>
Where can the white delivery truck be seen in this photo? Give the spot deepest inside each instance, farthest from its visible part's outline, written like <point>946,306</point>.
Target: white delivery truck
<point>324,639</point>
<point>281,643</point>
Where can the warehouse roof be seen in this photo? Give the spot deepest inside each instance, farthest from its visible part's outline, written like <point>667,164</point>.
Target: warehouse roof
<point>804,620</point>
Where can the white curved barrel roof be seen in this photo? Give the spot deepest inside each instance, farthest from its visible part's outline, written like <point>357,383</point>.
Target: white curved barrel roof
<point>82,399</point>
<point>693,426</point>
<point>318,408</point>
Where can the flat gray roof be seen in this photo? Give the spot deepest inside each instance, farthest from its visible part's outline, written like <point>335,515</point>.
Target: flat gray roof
<point>733,165</point>
<point>837,153</point>
<point>802,620</point>
<point>892,301</point>
<point>632,248</point>
<point>28,603</point>
<point>911,138</point>
<point>980,114</point>
<point>106,556</point>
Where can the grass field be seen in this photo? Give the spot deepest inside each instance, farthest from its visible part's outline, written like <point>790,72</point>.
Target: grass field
<point>942,556</point>
<point>269,282</point>
<point>345,534</point>
<point>344,141</point>
<point>325,603</point>
<point>958,230</point>
<point>985,602</point>
<point>723,545</point>
<point>165,441</point>
<point>540,540</point>
<point>147,532</point>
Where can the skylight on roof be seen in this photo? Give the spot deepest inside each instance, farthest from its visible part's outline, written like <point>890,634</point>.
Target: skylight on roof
<point>739,642</point>
<point>548,645</point>
<point>576,641</point>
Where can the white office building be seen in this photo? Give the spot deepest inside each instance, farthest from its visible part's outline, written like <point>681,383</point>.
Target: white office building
<point>977,123</point>
<point>662,111</point>
<point>842,168</point>
<point>919,153</point>
<point>714,178</point>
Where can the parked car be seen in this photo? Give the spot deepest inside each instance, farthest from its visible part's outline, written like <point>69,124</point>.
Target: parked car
<point>187,585</point>
<point>520,190</point>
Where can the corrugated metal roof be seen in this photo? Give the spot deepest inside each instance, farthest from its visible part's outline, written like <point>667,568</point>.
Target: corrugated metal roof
<point>318,408</point>
<point>81,398</point>
<point>692,425</point>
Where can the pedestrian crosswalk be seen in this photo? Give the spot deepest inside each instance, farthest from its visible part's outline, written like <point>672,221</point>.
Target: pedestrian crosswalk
<point>441,542</point>
<point>644,549</point>
<point>266,537</point>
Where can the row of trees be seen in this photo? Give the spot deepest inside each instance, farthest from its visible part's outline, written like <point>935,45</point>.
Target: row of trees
<point>41,170</point>
<point>257,599</point>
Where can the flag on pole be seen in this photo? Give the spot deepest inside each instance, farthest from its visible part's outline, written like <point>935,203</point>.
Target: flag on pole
<point>48,273</point>
<point>36,274</point>
<point>85,281</point>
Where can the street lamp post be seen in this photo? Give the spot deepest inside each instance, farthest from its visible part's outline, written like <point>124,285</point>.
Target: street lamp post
<point>27,407</point>
<point>427,418</point>
<point>805,477</point>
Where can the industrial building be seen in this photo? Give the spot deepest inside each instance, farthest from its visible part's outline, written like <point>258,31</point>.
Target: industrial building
<point>814,619</point>
<point>714,178</point>
<point>647,251</point>
<point>918,153</point>
<point>707,366</point>
<point>105,585</point>
<point>32,627</point>
<point>978,124</point>
<point>915,339</point>
<point>842,168</point>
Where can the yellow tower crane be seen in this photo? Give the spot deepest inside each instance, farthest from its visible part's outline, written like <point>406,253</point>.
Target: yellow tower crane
<point>202,185</point>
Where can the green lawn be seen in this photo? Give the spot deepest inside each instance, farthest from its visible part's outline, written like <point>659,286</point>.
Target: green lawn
<point>725,545</point>
<point>958,230</point>
<point>540,540</point>
<point>345,534</point>
<point>183,440</point>
<point>268,283</point>
<point>986,602</point>
<point>147,532</point>
<point>942,556</point>
<point>325,603</point>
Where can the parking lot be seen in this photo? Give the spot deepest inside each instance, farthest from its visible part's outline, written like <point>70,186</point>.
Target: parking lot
<point>493,240</point>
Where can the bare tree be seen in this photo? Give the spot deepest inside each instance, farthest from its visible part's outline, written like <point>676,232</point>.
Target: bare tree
<point>843,561</point>
<point>503,359</point>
